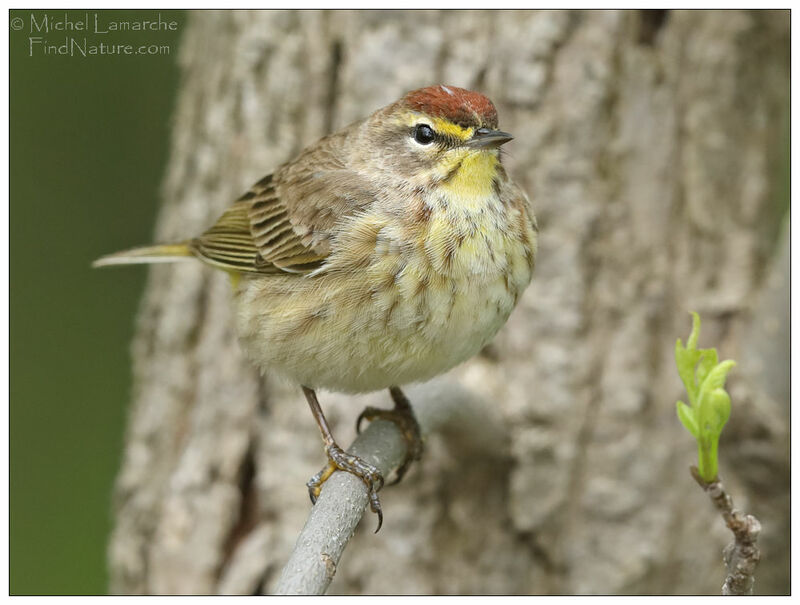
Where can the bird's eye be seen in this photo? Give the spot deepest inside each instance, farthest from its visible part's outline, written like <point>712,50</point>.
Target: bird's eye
<point>423,134</point>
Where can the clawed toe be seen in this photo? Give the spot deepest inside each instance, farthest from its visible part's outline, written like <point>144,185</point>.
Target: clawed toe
<point>403,416</point>
<point>338,459</point>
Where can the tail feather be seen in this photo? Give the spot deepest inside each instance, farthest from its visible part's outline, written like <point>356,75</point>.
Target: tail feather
<point>166,253</point>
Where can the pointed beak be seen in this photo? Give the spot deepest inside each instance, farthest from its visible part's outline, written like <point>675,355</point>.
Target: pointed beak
<point>485,138</point>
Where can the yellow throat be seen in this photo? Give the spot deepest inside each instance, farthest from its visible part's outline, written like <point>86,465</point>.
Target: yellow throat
<point>472,182</point>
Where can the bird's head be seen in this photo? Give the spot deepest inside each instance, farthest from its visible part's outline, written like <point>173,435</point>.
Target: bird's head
<point>439,135</point>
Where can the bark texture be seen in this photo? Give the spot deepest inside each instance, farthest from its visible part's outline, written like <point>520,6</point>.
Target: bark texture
<point>650,144</point>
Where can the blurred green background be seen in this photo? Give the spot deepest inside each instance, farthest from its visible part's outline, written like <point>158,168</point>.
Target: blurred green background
<point>88,146</point>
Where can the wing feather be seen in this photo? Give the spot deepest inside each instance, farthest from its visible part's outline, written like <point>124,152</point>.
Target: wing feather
<point>285,222</point>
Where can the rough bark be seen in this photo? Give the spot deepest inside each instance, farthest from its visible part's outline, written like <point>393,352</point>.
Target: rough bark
<point>649,145</point>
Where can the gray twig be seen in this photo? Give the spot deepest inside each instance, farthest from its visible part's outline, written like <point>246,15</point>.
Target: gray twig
<point>339,508</point>
<point>742,555</point>
<point>437,405</point>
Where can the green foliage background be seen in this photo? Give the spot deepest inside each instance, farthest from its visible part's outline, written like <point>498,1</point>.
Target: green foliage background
<point>88,146</point>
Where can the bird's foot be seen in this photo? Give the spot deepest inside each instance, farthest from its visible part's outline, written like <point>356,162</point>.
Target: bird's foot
<point>403,416</point>
<point>340,460</point>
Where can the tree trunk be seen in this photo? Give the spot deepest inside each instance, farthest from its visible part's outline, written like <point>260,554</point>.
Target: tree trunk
<point>649,143</point>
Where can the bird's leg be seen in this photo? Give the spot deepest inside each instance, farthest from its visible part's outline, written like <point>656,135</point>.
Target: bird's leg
<point>338,459</point>
<point>403,416</point>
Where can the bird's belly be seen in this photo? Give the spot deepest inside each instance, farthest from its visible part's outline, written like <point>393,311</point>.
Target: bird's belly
<point>360,333</point>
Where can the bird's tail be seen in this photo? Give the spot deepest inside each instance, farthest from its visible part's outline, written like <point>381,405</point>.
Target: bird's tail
<point>165,253</point>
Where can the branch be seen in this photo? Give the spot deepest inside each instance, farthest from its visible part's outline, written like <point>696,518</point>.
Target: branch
<point>341,504</point>
<point>742,555</point>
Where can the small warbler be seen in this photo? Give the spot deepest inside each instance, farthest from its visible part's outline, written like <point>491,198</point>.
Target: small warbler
<point>384,254</point>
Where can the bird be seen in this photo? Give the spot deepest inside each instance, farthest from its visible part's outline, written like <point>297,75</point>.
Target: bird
<point>384,254</point>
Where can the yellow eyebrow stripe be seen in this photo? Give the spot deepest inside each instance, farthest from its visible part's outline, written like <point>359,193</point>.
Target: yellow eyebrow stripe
<point>447,128</point>
<point>440,125</point>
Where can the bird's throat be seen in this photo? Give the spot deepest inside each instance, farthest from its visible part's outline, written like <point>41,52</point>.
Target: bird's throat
<point>470,179</point>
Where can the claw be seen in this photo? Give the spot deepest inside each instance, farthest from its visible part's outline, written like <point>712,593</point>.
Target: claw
<point>313,489</point>
<point>338,459</point>
<point>315,483</point>
<point>375,507</point>
<point>403,468</point>
<point>369,413</point>
<point>403,416</point>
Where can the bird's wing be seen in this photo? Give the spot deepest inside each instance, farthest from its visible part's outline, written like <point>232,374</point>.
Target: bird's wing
<point>286,222</point>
